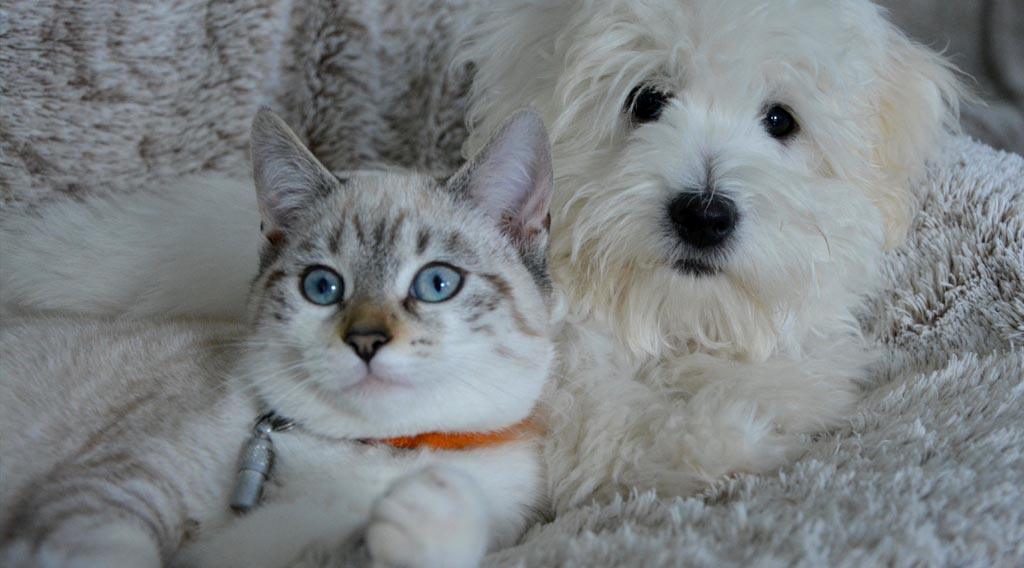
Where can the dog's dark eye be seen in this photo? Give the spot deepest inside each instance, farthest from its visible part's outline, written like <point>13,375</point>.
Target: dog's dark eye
<point>645,103</point>
<point>779,123</point>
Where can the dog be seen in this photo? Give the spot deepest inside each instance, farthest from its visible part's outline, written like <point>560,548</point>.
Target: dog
<point>729,174</point>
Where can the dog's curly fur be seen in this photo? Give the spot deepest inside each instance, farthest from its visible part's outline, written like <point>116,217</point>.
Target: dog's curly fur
<point>673,378</point>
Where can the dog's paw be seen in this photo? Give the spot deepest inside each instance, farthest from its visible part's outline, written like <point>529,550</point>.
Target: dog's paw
<point>435,517</point>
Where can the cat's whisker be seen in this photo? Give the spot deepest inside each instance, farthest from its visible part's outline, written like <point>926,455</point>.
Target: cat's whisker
<point>286,395</point>
<point>257,378</point>
<point>491,389</point>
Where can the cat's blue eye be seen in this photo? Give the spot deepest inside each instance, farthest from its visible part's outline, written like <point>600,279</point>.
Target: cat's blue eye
<point>322,286</point>
<point>436,283</point>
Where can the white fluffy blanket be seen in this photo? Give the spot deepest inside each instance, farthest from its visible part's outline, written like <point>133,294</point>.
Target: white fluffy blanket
<point>100,97</point>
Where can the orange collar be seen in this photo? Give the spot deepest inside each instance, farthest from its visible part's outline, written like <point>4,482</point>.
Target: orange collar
<point>466,440</point>
<point>257,452</point>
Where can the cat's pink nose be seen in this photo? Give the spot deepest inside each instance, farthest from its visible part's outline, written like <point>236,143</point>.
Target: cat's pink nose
<point>366,343</point>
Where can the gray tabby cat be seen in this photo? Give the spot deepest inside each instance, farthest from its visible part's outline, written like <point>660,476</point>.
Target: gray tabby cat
<point>399,337</point>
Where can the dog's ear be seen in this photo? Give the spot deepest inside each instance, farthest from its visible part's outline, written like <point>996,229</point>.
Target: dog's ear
<point>917,105</point>
<point>525,34</point>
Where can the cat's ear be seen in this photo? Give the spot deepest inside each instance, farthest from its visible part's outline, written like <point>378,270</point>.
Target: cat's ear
<point>511,177</point>
<point>287,175</point>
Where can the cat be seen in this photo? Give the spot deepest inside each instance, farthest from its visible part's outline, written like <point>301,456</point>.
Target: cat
<point>398,336</point>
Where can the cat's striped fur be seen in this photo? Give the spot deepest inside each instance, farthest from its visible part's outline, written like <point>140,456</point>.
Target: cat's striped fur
<point>120,438</point>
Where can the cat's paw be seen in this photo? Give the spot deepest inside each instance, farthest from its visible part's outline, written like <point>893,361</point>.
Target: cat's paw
<point>435,517</point>
<point>112,552</point>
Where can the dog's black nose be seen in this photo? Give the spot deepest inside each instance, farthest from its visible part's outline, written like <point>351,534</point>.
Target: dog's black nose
<point>704,220</point>
<point>367,342</point>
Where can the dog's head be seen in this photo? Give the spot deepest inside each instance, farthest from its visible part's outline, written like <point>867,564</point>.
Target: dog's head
<point>727,170</point>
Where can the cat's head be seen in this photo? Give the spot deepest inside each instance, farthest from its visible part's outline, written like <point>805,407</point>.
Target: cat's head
<point>392,304</point>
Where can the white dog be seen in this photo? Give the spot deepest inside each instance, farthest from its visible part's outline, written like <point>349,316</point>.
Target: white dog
<point>728,175</point>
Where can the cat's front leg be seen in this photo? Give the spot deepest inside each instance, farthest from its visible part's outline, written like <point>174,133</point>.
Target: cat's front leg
<point>90,543</point>
<point>436,517</point>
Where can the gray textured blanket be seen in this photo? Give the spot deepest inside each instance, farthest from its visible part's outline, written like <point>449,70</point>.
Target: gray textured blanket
<point>113,97</point>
